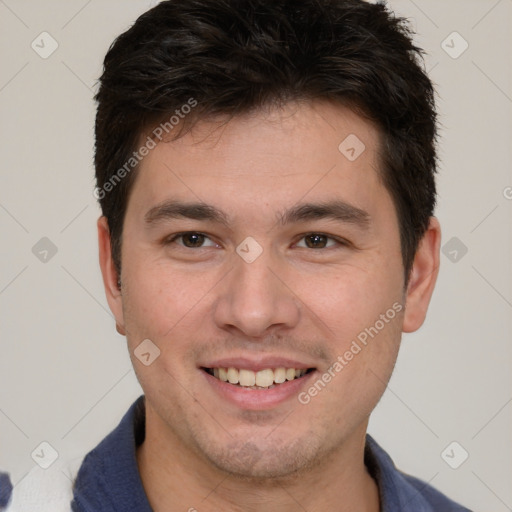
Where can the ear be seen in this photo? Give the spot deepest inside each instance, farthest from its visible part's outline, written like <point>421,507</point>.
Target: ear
<point>423,277</point>
<point>109,273</point>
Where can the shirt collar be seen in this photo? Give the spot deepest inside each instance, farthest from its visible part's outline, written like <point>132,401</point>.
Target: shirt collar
<point>109,479</point>
<point>5,490</point>
<point>395,491</point>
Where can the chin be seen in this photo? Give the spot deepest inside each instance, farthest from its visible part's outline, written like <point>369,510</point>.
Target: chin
<point>251,462</point>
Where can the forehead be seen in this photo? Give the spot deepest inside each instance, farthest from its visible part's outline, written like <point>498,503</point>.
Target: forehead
<point>272,156</point>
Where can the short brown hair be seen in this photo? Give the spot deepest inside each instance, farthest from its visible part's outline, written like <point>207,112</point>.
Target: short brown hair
<point>234,56</point>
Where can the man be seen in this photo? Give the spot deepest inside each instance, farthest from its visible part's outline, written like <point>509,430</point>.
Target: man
<point>265,171</point>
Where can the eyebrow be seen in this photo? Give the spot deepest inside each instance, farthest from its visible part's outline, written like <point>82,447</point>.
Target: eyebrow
<point>178,209</point>
<point>337,210</point>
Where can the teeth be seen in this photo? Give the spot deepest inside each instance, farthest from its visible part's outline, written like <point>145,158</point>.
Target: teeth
<point>247,378</point>
<point>232,375</point>
<point>262,379</point>
<point>290,374</point>
<point>279,375</point>
<point>265,378</point>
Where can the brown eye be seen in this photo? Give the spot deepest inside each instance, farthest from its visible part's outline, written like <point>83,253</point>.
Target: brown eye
<point>191,240</point>
<point>316,241</point>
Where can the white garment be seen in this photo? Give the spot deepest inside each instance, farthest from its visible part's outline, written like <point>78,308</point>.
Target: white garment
<point>46,490</point>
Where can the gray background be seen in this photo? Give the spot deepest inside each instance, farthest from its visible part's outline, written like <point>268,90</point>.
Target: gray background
<point>65,375</point>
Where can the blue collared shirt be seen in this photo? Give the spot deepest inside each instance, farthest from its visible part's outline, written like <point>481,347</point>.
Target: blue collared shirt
<point>109,480</point>
<point>5,490</point>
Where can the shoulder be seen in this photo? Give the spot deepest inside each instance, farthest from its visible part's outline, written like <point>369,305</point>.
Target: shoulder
<point>437,500</point>
<point>5,490</point>
<point>46,490</point>
<point>400,491</point>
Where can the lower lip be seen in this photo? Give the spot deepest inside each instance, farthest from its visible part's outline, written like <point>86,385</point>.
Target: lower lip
<point>258,399</point>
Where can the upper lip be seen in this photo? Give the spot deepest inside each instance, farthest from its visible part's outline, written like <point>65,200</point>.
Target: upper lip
<point>256,364</point>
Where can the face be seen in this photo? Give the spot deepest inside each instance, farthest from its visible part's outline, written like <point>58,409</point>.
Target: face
<point>264,247</point>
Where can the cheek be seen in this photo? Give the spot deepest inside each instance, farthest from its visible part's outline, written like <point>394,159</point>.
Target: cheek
<point>162,307</point>
<point>364,351</point>
<point>351,299</point>
<point>168,306</point>
<point>155,299</point>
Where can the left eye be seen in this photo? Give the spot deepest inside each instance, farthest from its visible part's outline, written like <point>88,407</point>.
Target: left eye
<point>192,240</point>
<point>316,241</point>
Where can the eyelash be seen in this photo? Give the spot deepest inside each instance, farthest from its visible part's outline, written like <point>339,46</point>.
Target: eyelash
<point>340,241</point>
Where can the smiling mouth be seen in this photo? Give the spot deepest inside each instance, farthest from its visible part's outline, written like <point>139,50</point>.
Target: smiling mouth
<point>262,379</point>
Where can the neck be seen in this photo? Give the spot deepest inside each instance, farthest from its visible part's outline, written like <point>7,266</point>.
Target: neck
<point>176,479</point>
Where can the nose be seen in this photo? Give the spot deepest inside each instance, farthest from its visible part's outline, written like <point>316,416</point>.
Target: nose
<point>255,299</point>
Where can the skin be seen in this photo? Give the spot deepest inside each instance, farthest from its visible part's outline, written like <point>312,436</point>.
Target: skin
<point>308,304</point>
